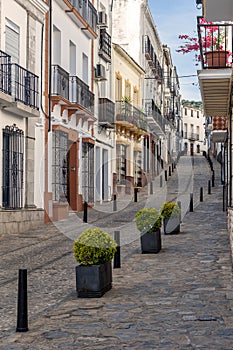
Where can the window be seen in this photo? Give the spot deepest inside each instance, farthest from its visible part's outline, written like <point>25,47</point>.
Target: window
<point>12,40</point>
<point>118,87</point>
<point>185,111</point>
<point>191,112</point>
<point>59,166</point>
<point>72,58</point>
<point>135,97</point>
<point>121,163</point>
<point>56,46</point>
<point>12,169</point>
<point>88,172</point>
<point>198,114</point>
<point>85,69</point>
<point>128,90</point>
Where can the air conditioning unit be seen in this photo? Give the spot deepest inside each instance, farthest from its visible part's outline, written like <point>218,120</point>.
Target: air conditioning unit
<point>102,19</point>
<point>100,73</point>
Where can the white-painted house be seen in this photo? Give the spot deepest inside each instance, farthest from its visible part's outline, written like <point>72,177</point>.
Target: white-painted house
<point>194,141</point>
<point>21,44</point>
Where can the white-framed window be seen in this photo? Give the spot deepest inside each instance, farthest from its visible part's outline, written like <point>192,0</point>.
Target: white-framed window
<point>12,35</point>
<point>85,68</point>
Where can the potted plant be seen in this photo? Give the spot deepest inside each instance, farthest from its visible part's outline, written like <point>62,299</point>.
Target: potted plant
<point>149,222</point>
<point>211,42</point>
<point>94,250</point>
<point>171,213</point>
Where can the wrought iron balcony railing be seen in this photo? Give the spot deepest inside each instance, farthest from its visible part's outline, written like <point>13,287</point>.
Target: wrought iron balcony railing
<point>215,44</point>
<point>106,113</point>
<point>152,58</point>
<point>60,82</point>
<point>18,82</point>
<point>191,136</point>
<point>87,11</point>
<point>26,88</point>
<point>105,45</point>
<point>5,73</point>
<point>128,113</point>
<point>80,94</point>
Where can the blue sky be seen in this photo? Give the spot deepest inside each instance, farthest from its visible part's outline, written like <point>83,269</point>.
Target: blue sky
<point>171,19</point>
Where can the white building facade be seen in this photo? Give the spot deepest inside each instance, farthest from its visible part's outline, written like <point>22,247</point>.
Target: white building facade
<point>194,138</point>
<point>21,43</point>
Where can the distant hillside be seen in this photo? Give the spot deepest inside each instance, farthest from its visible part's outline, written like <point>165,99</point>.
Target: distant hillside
<point>194,104</point>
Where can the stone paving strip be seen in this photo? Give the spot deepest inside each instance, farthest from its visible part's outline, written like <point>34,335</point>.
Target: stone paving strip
<point>181,298</point>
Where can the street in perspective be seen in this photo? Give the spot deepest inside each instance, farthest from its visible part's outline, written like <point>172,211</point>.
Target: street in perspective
<point>180,298</point>
<point>116,186</point>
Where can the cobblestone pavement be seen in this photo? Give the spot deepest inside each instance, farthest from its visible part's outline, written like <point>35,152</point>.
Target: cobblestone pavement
<point>181,298</point>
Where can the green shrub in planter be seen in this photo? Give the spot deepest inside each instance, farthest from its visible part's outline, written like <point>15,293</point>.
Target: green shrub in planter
<point>170,209</point>
<point>148,220</point>
<point>171,213</point>
<point>94,247</point>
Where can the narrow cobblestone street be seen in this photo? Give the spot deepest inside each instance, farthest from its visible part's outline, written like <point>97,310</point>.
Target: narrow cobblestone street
<point>181,298</point>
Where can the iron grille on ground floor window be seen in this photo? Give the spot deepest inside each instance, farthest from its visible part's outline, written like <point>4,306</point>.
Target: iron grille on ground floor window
<point>121,164</point>
<point>88,172</point>
<point>12,167</point>
<point>59,166</point>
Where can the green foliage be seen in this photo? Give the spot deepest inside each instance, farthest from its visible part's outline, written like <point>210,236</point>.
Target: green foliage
<point>169,209</point>
<point>193,104</point>
<point>94,247</point>
<point>148,220</point>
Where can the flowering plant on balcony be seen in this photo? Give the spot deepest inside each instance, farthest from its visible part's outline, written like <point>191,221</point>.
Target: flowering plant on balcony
<point>212,38</point>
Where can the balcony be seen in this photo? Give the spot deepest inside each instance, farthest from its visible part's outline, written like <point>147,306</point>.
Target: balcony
<point>80,94</point>
<point>215,10</point>
<point>26,86</point>
<point>5,73</point>
<point>83,13</point>
<point>60,82</point>
<point>191,136</point>
<point>106,113</point>
<point>152,59</point>
<point>215,77</point>
<point>129,116</point>
<point>105,45</point>
<point>19,89</point>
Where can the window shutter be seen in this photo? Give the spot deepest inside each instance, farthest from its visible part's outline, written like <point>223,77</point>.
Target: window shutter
<point>12,41</point>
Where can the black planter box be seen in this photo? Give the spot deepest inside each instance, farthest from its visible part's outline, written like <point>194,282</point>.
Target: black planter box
<point>171,226</point>
<point>93,281</point>
<point>151,242</point>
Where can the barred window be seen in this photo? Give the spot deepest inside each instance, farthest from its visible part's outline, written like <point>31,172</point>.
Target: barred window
<point>12,169</point>
<point>88,172</point>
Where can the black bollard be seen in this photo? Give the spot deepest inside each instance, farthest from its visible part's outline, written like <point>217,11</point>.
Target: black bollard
<point>151,187</point>
<point>169,169</point>
<point>209,187</point>
<point>191,203</point>
<point>117,256</point>
<point>135,195</point>
<point>85,212</point>
<point>165,174</point>
<point>114,202</point>
<point>22,316</point>
<point>213,178</point>
<point>201,194</point>
<point>161,181</point>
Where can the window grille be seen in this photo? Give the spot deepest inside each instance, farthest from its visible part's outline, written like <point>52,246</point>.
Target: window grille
<point>12,169</point>
<point>88,172</point>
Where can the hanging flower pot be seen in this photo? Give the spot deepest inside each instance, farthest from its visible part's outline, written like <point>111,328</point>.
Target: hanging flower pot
<point>216,58</point>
